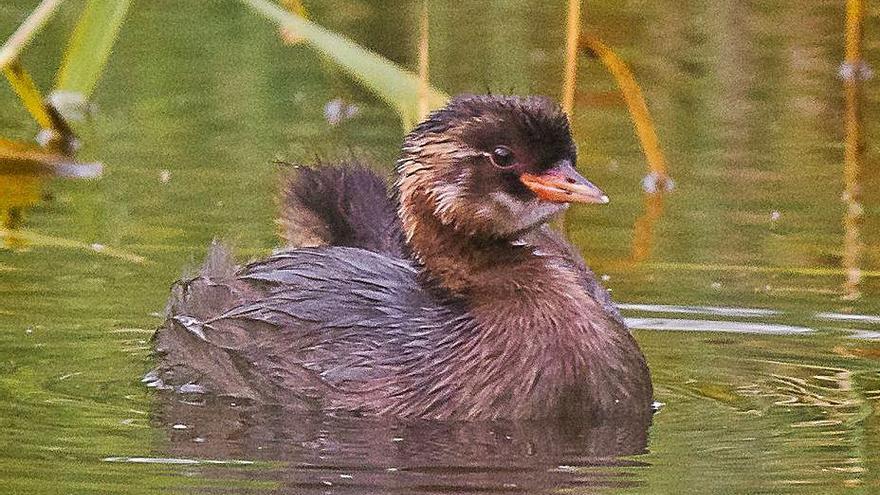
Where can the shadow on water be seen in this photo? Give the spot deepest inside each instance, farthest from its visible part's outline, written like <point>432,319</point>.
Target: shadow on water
<point>310,453</point>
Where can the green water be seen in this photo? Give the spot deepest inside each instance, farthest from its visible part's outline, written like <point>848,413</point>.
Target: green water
<point>201,97</point>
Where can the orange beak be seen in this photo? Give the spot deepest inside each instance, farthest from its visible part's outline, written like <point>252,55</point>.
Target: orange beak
<point>562,184</point>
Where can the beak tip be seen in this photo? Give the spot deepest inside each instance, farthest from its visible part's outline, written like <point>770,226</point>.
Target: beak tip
<point>604,199</point>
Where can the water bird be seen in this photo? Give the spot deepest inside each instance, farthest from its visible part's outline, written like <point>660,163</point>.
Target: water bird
<point>451,298</point>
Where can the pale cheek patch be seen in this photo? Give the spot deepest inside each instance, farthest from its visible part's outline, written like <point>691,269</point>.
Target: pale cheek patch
<point>449,197</point>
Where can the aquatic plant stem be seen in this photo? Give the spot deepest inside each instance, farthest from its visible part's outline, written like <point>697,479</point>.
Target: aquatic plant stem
<point>635,103</point>
<point>569,86</point>
<point>643,229</point>
<point>90,45</point>
<point>26,31</point>
<point>28,93</point>
<point>852,72</point>
<point>424,85</point>
<point>399,88</point>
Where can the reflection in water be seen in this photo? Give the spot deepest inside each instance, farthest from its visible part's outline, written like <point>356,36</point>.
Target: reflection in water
<point>869,319</point>
<point>853,71</point>
<point>314,452</point>
<point>657,181</point>
<point>20,191</point>
<point>17,193</point>
<point>24,170</point>
<point>643,230</point>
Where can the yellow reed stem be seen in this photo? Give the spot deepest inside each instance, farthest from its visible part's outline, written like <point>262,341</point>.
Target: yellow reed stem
<point>17,193</point>
<point>643,230</point>
<point>853,43</point>
<point>569,82</point>
<point>569,86</point>
<point>424,85</point>
<point>28,93</point>
<point>853,147</point>
<point>635,103</point>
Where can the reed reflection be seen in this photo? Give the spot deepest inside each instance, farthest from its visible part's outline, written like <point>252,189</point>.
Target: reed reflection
<point>853,71</point>
<point>657,181</point>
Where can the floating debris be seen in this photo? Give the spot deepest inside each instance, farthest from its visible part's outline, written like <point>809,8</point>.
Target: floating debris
<point>336,111</point>
<point>655,182</point>
<point>855,71</point>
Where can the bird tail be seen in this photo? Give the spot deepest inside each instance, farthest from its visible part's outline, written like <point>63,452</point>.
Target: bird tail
<point>339,205</point>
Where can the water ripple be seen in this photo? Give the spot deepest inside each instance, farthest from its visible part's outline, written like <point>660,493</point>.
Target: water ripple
<point>702,310</point>
<point>715,326</point>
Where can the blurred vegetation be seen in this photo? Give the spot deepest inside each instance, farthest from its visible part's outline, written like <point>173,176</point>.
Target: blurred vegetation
<point>88,49</point>
<point>411,95</point>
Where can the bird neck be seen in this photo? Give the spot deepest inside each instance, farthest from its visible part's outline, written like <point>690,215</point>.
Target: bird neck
<point>478,267</point>
<point>531,300</point>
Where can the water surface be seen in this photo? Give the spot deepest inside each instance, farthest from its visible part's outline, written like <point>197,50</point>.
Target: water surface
<point>765,357</point>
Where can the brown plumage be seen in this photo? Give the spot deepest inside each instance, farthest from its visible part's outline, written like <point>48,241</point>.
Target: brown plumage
<point>341,205</point>
<point>464,305</point>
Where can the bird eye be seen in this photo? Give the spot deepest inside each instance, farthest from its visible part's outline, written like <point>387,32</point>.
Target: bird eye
<point>502,157</point>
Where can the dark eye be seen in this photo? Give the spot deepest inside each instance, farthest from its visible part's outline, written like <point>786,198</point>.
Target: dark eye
<point>502,156</point>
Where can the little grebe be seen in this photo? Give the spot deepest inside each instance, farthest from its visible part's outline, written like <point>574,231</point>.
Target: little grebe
<point>461,304</point>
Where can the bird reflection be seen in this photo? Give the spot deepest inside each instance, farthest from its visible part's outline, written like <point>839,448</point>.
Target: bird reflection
<point>376,455</point>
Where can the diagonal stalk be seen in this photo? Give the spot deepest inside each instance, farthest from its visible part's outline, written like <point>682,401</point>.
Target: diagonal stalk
<point>90,45</point>
<point>26,31</point>
<point>398,87</point>
<point>28,93</point>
